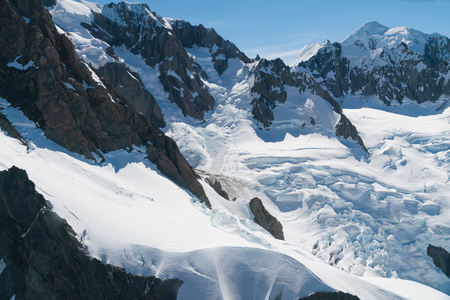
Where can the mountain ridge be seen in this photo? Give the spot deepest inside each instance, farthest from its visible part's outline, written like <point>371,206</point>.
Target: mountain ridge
<point>394,64</point>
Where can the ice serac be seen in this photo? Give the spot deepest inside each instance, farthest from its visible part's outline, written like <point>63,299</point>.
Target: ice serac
<point>45,261</point>
<point>41,74</point>
<point>198,36</point>
<point>392,63</point>
<point>263,218</point>
<point>144,33</point>
<point>441,258</point>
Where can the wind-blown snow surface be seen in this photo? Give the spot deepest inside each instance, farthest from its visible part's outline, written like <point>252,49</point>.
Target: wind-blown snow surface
<point>372,216</point>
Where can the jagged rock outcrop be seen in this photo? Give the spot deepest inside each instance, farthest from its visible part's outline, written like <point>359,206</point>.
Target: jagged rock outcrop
<point>391,64</point>
<point>263,218</point>
<point>165,154</point>
<point>6,126</point>
<point>217,186</point>
<point>344,128</point>
<point>122,83</point>
<point>441,258</point>
<point>43,260</point>
<point>41,74</point>
<point>137,28</point>
<point>272,77</point>
<point>330,296</point>
<point>198,36</point>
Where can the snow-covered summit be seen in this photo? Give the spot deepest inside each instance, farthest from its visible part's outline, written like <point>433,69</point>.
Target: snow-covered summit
<point>139,12</point>
<point>374,35</point>
<point>375,60</point>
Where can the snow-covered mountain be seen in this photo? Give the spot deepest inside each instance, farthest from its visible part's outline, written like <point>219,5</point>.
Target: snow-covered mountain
<point>394,64</point>
<point>291,194</point>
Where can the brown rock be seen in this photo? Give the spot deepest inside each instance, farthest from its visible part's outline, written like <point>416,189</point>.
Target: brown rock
<point>122,83</point>
<point>263,218</point>
<point>441,258</point>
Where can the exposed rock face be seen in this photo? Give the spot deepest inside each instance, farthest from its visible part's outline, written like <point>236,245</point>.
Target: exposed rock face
<point>56,90</point>
<point>390,72</point>
<point>122,83</point>
<point>330,296</point>
<point>265,219</point>
<point>441,258</point>
<point>41,74</point>
<point>217,186</point>
<point>198,36</point>
<point>165,154</point>
<point>6,126</point>
<point>140,30</point>
<point>45,261</point>
<point>270,78</point>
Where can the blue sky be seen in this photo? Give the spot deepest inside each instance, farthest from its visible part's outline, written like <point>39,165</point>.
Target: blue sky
<point>281,28</point>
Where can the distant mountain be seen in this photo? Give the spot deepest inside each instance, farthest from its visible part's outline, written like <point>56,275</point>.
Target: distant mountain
<point>394,64</point>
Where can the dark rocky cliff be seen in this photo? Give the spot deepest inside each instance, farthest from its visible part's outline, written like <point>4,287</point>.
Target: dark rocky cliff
<point>42,259</point>
<point>144,33</point>
<point>41,74</point>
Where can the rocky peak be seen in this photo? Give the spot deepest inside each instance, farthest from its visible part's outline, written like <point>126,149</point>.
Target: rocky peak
<point>368,35</point>
<point>437,52</point>
<point>198,36</point>
<point>137,28</point>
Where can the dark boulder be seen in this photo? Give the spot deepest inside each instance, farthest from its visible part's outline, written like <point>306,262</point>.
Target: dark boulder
<point>44,260</point>
<point>263,218</point>
<point>441,258</point>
